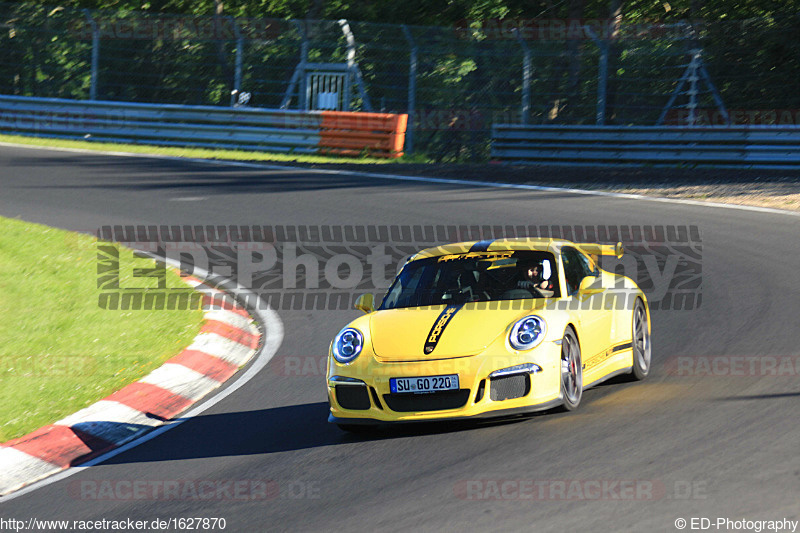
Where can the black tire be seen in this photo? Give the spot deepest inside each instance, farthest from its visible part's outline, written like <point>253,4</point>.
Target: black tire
<point>571,370</point>
<point>640,340</point>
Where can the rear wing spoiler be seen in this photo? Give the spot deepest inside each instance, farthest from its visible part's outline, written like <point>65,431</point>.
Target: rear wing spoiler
<point>602,249</point>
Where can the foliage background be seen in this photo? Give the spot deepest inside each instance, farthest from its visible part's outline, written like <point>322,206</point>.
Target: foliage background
<point>467,79</point>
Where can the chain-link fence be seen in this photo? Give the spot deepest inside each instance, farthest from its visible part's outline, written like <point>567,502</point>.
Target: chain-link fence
<point>454,82</point>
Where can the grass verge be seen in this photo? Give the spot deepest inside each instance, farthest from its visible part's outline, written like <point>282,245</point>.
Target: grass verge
<point>59,351</point>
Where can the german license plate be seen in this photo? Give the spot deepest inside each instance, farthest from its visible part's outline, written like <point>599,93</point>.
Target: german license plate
<point>424,384</point>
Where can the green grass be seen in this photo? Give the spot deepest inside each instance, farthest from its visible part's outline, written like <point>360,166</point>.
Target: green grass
<point>207,153</point>
<point>59,351</point>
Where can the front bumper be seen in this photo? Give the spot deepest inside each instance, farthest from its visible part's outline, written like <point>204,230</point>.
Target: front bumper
<point>495,413</point>
<point>360,393</point>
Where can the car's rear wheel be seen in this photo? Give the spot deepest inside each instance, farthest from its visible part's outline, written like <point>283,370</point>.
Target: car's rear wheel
<point>641,342</point>
<point>571,370</point>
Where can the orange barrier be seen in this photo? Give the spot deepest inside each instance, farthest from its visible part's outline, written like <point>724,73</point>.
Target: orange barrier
<point>353,133</point>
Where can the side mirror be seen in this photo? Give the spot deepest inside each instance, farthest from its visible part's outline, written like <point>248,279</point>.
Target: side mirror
<point>365,303</point>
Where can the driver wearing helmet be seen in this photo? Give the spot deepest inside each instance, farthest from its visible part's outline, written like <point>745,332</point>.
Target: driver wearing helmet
<point>534,279</point>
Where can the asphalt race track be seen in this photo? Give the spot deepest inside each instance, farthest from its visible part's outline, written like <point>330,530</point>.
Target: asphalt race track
<point>711,445</point>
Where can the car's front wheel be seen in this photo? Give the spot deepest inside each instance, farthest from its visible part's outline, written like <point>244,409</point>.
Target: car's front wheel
<point>641,342</point>
<point>571,370</point>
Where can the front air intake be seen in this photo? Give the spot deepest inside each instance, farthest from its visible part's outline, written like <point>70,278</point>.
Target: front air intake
<point>437,401</point>
<point>481,390</point>
<point>509,387</point>
<point>353,397</point>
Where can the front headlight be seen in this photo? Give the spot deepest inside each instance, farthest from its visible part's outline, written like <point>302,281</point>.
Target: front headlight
<point>347,345</point>
<point>527,332</point>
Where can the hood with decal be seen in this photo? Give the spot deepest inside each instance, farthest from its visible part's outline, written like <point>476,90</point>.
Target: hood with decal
<point>440,332</point>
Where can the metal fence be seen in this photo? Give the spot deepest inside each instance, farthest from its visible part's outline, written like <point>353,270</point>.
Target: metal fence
<point>237,128</point>
<point>454,82</point>
<point>763,147</point>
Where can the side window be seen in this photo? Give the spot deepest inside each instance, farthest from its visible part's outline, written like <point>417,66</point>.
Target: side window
<point>576,267</point>
<point>586,265</point>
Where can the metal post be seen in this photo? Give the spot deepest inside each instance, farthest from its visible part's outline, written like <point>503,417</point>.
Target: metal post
<point>692,92</point>
<point>412,90</point>
<point>304,104</point>
<point>715,94</point>
<point>673,97</point>
<point>237,73</point>
<point>309,82</point>
<point>348,91</point>
<point>602,76</point>
<point>602,84</point>
<point>299,75</point>
<point>525,106</point>
<point>352,67</point>
<point>95,55</point>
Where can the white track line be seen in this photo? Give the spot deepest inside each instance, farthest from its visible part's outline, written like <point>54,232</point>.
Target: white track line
<point>422,179</point>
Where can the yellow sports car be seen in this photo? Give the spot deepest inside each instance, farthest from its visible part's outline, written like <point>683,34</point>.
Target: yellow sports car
<point>488,328</point>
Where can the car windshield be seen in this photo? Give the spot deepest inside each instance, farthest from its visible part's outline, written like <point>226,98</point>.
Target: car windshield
<point>474,277</point>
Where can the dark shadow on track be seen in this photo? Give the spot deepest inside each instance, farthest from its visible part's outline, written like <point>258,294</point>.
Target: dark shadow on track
<point>137,174</point>
<point>103,172</point>
<point>281,429</point>
<point>193,177</point>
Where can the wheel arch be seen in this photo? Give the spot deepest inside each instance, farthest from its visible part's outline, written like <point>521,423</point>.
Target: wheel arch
<point>571,324</point>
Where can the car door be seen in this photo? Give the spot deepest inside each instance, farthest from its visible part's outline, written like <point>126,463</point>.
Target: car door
<point>587,293</point>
